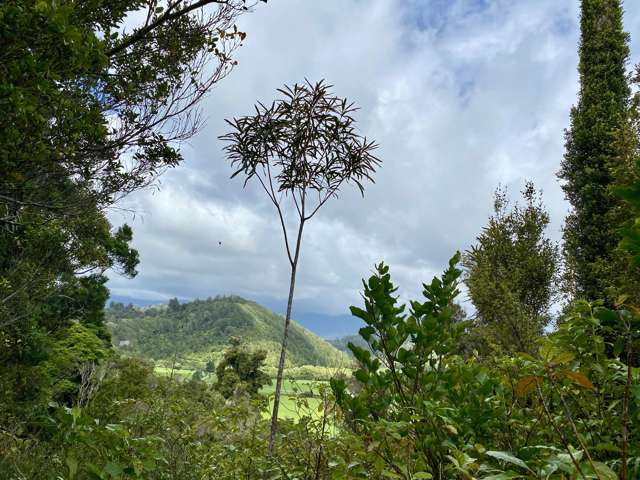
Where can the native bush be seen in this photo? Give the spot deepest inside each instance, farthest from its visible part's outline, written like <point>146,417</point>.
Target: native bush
<point>421,411</point>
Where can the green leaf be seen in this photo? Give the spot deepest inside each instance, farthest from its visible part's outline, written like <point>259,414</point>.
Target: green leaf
<point>72,464</point>
<point>422,475</point>
<point>509,458</point>
<point>113,469</point>
<point>562,358</point>
<point>503,476</point>
<point>75,412</point>
<point>604,472</point>
<point>618,346</point>
<point>366,332</point>
<point>390,474</point>
<point>42,6</point>
<point>361,376</point>
<point>606,316</point>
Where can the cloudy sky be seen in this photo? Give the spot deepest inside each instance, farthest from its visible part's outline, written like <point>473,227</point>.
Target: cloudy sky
<point>461,95</point>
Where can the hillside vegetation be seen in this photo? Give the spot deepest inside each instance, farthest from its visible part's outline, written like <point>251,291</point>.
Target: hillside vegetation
<point>199,331</point>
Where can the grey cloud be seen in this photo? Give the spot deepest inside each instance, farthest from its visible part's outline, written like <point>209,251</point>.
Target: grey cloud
<point>464,99</point>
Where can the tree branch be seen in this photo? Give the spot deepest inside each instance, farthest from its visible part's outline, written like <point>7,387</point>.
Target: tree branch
<point>167,16</point>
<point>280,216</point>
<point>324,200</point>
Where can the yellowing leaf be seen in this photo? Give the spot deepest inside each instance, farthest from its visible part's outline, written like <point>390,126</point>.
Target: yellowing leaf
<point>621,300</point>
<point>579,378</point>
<point>526,384</point>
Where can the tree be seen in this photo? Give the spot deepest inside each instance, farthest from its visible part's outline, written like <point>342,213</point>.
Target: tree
<point>630,246</point>
<point>597,155</point>
<point>409,406</point>
<point>301,148</point>
<point>241,369</point>
<point>174,305</point>
<point>99,125</point>
<point>71,87</point>
<point>511,272</point>
<point>210,366</point>
<point>90,111</point>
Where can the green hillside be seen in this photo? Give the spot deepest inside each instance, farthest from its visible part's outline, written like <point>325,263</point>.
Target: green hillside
<point>197,331</point>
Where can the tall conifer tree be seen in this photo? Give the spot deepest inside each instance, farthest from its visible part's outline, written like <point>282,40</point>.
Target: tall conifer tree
<point>595,153</point>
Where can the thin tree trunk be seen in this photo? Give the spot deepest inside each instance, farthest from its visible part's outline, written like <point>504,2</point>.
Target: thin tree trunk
<point>285,336</point>
<point>625,409</point>
<point>324,424</point>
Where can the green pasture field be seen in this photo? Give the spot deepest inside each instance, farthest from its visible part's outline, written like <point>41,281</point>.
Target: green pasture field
<point>178,372</point>
<point>296,400</point>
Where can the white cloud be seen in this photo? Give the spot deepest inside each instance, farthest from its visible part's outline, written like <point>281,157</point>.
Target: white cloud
<point>461,95</point>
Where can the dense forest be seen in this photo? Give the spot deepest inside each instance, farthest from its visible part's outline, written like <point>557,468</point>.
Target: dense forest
<point>539,380</point>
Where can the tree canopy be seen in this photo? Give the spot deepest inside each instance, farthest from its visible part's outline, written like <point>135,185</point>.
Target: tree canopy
<point>512,273</point>
<point>598,154</point>
<point>81,126</point>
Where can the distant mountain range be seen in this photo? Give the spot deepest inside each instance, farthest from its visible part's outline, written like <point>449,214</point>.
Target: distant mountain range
<point>342,343</point>
<point>329,326</point>
<point>199,330</point>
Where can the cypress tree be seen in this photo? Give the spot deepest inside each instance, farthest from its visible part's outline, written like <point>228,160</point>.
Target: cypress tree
<point>596,153</point>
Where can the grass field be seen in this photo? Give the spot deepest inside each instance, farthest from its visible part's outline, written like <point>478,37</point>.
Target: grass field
<point>296,400</point>
<point>293,387</point>
<point>294,408</point>
<point>179,372</point>
<point>299,397</point>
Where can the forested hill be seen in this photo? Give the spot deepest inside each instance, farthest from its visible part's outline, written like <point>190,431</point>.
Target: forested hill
<point>201,329</point>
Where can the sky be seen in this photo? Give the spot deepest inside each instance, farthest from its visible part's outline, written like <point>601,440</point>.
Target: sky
<point>461,95</point>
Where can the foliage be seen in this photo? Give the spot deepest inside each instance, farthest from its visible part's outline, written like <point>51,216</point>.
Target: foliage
<point>598,156</point>
<point>414,409</point>
<point>241,370</point>
<point>69,85</point>
<point>309,141</point>
<point>136,426</point>
<point>81,126</point>
<point>630,247</point>
<point>47,362</point>
<point>411,408</point>
<point>139,426</point>
<point>421,411</point>
<point>511,273</point>
<point>76,348</point>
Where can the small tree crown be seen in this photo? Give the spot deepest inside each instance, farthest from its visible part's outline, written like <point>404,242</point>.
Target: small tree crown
<point>305,140</point>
